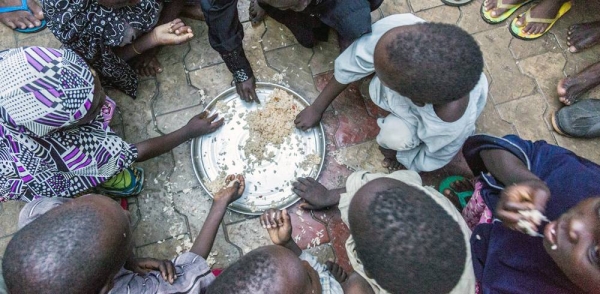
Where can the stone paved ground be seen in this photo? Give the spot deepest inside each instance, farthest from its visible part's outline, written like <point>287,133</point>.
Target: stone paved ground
<point>170,211</point>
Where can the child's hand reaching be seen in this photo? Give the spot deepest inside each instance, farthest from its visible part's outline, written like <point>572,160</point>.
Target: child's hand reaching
<point>278,225</point>
<point>172,33</point>
<point>201,124</point>
<point>235,185</point>
<point>518,201</point>
<point>145,265</point>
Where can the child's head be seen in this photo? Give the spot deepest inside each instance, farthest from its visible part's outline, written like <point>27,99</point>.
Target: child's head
<point>407,242</point>
<point>270,269</point>
<point>428,62</point>
<point>576,237</point>
<point>76,247</point>
<point>295,5</point>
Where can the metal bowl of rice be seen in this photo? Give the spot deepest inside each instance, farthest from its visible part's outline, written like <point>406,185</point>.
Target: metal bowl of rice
<point>261,142</point>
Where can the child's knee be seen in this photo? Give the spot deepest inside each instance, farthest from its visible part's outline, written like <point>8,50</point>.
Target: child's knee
<point>396,134</point>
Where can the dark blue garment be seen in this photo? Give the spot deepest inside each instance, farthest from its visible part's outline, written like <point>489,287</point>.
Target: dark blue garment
<point>506,261</point>
<point>349,18</point>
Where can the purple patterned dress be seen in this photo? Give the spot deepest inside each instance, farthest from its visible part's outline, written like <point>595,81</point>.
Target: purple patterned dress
<point>43,93</point>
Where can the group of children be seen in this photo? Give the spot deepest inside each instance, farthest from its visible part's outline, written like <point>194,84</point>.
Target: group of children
<point>405,238</point>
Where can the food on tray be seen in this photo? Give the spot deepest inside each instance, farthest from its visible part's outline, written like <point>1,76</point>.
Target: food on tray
<point>310,161</point>
<point>271,124</point>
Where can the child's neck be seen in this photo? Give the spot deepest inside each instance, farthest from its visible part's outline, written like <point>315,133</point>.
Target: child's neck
<point>453,111</point>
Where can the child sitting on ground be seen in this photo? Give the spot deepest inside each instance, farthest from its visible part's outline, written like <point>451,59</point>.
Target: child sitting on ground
<point>405,238</point>
<point>310,20</point>
<point>110,33</point>
<point>281,267</point>
<point>517,176</point>
<point>85,245</point>
<point>428,75</point>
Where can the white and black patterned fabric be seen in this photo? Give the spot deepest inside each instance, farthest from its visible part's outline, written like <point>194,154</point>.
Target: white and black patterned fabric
<point>91,29</point>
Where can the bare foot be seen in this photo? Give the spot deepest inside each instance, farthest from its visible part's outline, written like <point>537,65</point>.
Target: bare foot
<point>147,64</point>
<point>21,19</point>
<point>458,186</point>
<point>492,5</point>
<point>570,89</point>
<point>547,9</point>
<point>257,14</point>
<point>315,195</point>
<point>337,271</point>
<point>390,160</point>
<point>582,36</point>
<point>193,12</point>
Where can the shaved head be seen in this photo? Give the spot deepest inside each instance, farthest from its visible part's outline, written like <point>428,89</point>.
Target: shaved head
<point>429,62</point>
<point>407,242</point>
<point>76,247</point>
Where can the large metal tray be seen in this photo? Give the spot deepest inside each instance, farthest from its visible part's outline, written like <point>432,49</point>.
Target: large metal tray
<point>269,184</point>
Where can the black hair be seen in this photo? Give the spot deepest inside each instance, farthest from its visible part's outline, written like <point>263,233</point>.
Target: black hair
<point>60,252</point>
<point>255,272</point>
<point>408,243</point>
<point>439,62</point>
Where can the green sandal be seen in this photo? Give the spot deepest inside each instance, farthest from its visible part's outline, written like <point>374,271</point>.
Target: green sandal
<point>510,9</point>
<point>463,197</point>
<point>128,182</point>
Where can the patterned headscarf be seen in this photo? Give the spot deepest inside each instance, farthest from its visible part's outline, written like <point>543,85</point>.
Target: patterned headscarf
<point>43,91</point>
<point>91,29</point>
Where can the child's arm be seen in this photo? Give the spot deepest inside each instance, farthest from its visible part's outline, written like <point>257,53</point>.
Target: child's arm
<point>234,190</point>
<point>173,33</point>
<point>279,226</point>
<point>311,115</point>
<point>197,126</point>
<point>524,190</point>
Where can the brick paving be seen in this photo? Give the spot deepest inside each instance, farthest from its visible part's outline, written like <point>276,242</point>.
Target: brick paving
<point>170,211</point>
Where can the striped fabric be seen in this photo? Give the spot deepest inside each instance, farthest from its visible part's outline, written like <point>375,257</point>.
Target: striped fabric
<point>44,92</point>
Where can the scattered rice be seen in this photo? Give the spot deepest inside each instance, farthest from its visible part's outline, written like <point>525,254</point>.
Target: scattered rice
<point>271,124</point>
<point>310,161</point>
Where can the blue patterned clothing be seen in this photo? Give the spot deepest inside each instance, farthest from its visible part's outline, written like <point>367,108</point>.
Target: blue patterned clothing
<point>43,93</point>
<point>328,283</point>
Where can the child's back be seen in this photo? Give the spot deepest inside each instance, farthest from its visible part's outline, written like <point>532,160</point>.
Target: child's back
<point>428,75</point>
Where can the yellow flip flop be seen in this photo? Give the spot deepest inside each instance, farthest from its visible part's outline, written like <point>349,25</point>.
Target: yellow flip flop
<point>510,9</point>
<point>517,31</point>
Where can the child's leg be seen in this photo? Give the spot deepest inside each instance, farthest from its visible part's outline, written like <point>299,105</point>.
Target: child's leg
<point>396,135</point>
<point>300,24</point>
<point>476,212</point>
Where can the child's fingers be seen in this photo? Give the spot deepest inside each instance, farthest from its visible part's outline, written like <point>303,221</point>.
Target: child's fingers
<point>170,272</point>
<point>213,117</point>
<point>311,180</point>
<point>203,115</point>
<point>278,218</point>
<point>299,186</point>
<point>516,206</point>
<point>304,181</point>
<point>217,124</point>
<point>263,223</point>
<point>307,206</point>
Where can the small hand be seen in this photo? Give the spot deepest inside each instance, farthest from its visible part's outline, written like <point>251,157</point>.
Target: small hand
<point>315,195</point>
<point>165,267</point>
<point>235,185</point>
<point>524,196</point>
<point>172,33</point>
<point>278,225</point>
<point>308,118</point>
<point>201,124</point>
<point>247,90</point>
